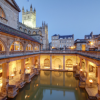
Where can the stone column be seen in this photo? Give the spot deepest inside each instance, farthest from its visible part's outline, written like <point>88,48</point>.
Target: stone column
<point>34,61</point>
<point>87,71</point>
<point>32,64</point>
<point>5,77</point>
<point>23,69</point>
<point>50,62</point>
<point>99,80</point>
<point>39,61</point>
<point>63,62</point>
<point>80,63</point>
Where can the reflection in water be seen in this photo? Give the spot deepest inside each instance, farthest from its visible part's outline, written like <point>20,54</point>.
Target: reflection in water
<point>52,85</point>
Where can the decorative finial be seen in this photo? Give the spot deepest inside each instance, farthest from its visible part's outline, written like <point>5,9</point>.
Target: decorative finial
<point>23,8</point>
<point>34,10</point>
<point>31,6</point>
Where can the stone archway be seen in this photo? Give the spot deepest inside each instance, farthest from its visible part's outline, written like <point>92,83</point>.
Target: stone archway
<point>16,46</point>
<point>29,47</point>
<point>2,46</point>
<point>46,62</point>
<point>57,63</point>
<point>69,63</point>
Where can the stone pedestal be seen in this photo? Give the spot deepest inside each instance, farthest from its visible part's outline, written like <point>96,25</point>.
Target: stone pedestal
<point>82,84</point>
<point>27,78</point>
<point>36,71</point>
<point>12,91</point>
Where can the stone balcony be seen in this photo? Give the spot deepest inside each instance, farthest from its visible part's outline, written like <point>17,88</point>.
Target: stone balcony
<point>93,54</point>
<point>4,54</point>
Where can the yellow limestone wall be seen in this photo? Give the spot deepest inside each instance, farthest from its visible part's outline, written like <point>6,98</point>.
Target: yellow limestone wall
<point>57,62</point>
<point>42,58</point>
<point>92,74</point>
<point>14,66</point>
<point>72,58</point>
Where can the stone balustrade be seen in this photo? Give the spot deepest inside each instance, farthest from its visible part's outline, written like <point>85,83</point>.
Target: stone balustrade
<point>2,52</point>
<point>16,52</point>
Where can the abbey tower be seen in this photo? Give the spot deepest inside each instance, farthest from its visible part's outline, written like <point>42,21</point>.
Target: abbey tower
<point>28,26</point>
<point>29,17</point>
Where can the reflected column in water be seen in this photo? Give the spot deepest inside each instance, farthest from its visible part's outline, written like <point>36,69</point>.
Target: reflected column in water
<point>63,62</point>
<point>50,77</point>
<point>63,78</point>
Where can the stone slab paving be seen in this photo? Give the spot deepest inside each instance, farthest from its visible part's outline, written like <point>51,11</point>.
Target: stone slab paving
<point>92,91</point>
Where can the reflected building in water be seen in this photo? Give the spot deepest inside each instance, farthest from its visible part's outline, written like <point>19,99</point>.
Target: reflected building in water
<point>48,83</point>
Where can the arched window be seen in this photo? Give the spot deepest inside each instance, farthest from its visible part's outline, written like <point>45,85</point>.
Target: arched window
<point>29,47</point>
<point>20,28</point>
<point>69,63</point>
<point>46,62</point>
<point>2,47</point>
<point>16,46</point>
<point>36,48</point>
<point>34,32</point>
<point>29,32</point>
<point>2,14</point>
<point>41,40</point>
<point>25,31</point>
<point>40,33</point>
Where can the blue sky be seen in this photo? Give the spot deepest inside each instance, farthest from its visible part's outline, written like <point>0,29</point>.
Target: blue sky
<point>65,17</point>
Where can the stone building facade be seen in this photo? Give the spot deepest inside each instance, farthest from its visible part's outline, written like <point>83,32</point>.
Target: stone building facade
<point>93,41</point>
<point>62,41</point>
<point>10,15</point>
<point>81,44</point>
<point>28,26</point>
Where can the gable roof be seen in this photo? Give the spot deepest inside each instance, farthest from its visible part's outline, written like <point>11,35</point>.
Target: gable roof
<point>8,30</point>
<point>14,5</point>
<point>64,36</point>
<point>81,41</point>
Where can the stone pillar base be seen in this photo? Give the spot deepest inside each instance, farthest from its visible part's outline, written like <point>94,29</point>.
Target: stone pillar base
<point>12,91</point>
<point>4,90</point>
<point>27,78</point>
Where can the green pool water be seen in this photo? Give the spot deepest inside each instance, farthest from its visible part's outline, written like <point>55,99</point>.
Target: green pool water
<point>52,85</point>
